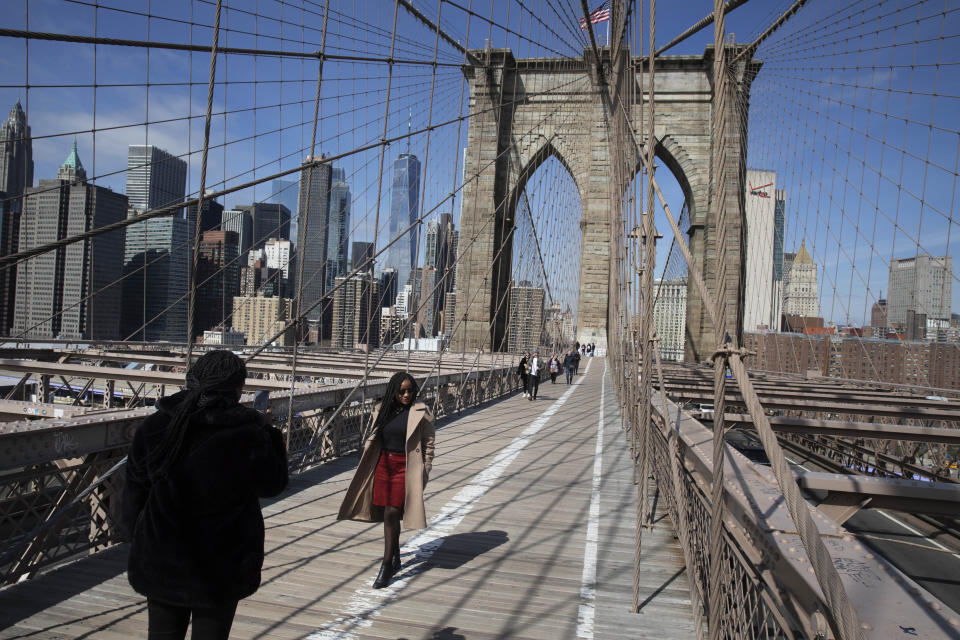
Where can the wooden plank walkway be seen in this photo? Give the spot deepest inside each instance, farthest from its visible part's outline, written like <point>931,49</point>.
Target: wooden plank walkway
<point>511,532</point>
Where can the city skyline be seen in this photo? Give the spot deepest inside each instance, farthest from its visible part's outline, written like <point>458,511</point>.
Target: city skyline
<point>164,160</point>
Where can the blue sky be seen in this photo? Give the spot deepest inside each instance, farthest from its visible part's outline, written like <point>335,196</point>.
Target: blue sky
<point>868,160</point>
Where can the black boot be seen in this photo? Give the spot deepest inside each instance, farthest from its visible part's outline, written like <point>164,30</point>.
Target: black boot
<point>384,577</point>
<point>395,561</point>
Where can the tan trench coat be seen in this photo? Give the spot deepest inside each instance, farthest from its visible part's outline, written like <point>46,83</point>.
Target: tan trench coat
<point>358,502</point>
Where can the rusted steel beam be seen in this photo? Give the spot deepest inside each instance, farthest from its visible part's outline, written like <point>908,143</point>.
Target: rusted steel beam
<point>759,517</point>
<point>79,397</point>
<point>785,424</point>
<point>882,462</point>
<point>28,410</point>
<point>107,373</point>
<point>822,406</point>
<point>932,498</point>
<point>824,395</point>
<point>54,520</point>
<point>18,386</point>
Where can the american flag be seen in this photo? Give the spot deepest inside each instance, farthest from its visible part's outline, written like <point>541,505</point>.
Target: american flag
<point>600,14</point>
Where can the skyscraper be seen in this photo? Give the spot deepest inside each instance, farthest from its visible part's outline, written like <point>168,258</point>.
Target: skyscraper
<point>759,209</point>
<point>312,233</point>
<point>241,223</point>
<point>389,287</point>
<point>287,193</point>
<point>268,220</point>
<point>338,228</point>
<point>779,221</point>
<point>800,290</point>
<point>278,254</point>
<point>155,178</point>
<point>210,219</point>
<point>441,253</point>
<point>356,314</point>
<point>424,302</point>
<point>218,280</point>
<point>526,318</point>
<point>260,319</point>
<point>362,252</point>
<point>670,317</point>
<point>878,313</point>
<point>922,284</point>
<point>16,175</point>
<point>70,292</point>
<point>156,269</point>
<point>404,200</point>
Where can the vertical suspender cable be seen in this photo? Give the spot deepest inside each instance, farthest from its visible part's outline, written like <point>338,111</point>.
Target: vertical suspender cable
<point>203,180</point>
<point>383,151</point>
<point>649,263</point>
<point>718,213</point>
<point>299,320</point>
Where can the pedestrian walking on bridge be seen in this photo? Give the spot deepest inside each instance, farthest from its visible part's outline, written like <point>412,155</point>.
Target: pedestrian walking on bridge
<point>569,365</point>
<point>523,370</point>
<point>190,505</point>
<point>536,370</point>
<point>394,468</point>
<point>554,368</point>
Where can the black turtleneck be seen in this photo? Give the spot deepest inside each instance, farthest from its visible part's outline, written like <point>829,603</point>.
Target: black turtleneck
<point>394,433</point>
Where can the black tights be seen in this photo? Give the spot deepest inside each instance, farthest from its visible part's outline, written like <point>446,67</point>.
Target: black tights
<point>391,532</point>
<point>169,622</point>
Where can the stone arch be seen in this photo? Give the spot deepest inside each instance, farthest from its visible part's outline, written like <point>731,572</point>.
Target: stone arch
<point>531,159</point>
<point>671,152</point>
<point>524,111</point>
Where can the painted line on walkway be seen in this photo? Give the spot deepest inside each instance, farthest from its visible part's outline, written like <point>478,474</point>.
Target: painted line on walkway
<point>367,603</point>
<point>917,533</point>
<point>588,580</point>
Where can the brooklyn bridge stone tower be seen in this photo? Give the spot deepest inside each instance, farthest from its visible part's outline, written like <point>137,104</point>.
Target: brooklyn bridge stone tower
<point>523,111</point>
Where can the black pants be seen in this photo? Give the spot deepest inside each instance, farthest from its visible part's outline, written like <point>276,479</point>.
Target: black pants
<point>534,386</point>
<point>553,377</point>
<point>169,621</point>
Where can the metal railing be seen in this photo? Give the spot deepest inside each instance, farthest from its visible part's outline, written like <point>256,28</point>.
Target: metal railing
<point>60,499</point>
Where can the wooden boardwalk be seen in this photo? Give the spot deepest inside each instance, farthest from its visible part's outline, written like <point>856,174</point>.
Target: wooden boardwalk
<point>512,531</point>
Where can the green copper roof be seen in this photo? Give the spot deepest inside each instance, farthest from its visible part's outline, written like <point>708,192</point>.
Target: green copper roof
<point>73,160</point>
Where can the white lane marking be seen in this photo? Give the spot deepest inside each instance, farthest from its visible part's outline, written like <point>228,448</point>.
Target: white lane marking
<point>916,533</point>
<point>367,603</point>
<point>588,580</point>
<point>792,461</point>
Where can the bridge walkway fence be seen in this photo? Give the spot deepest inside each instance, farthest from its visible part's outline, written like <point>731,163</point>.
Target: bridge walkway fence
<point>59,477</point>
<point>531,509</point>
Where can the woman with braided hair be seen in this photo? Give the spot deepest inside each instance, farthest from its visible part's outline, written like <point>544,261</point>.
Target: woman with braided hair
<point>393,470</point>
<point>190,506</point>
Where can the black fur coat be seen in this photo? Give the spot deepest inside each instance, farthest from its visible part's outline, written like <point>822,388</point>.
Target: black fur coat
<point>197,532</point>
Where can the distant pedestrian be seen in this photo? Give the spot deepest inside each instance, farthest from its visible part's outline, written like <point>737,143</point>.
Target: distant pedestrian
<point>569,365</point>
<point>576,362</point>
<point>190,505</point>
<point>522,369</point>
<point>393,470</point>
<point>536,367</point>
<point>554,368</point>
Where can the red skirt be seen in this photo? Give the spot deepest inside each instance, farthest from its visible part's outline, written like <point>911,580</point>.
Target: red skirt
<point>389,480</point>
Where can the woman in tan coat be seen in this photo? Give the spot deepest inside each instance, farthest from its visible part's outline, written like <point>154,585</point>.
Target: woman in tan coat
<point>393,470</point>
